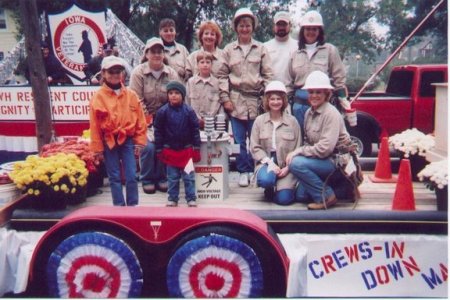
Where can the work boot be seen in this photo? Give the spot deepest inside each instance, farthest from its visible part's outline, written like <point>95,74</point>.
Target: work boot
<point>162,186</point>
<point>149,188</point>
<point>192,203</point>
<point>329,202</point>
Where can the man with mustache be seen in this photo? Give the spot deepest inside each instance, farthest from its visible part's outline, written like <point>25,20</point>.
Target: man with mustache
<point>281,46</point>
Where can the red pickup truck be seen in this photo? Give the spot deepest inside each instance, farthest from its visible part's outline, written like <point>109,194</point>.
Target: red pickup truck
<point>408,102</point>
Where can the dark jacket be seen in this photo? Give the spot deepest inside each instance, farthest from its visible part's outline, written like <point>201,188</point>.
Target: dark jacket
<point>176,128</point>
<point>53,68</point>
<point>93,66</point>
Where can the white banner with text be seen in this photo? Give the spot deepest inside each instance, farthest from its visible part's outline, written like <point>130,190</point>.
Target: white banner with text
<point>367,265</point>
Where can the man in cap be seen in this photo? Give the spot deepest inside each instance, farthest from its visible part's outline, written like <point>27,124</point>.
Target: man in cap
<point>281,46</point>
<point>53,68</point>
<point>93,67</point>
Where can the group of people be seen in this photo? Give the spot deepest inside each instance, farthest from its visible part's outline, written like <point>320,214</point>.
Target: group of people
<point>158,117</point>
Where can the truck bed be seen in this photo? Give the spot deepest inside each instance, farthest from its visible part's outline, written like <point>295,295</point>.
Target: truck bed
<point>371,214</point>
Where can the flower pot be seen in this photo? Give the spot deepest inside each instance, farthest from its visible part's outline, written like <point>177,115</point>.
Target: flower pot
<point>94,181</point>
<point>49,201</point>
<point>417,164</point>
<point>78,197</point>
<point>442,199</point>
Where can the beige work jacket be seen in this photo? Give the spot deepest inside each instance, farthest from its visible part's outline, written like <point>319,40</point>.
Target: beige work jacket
<point>288,138</point>
<point>324,127</point>
<point>244,77</point>
<point>177,58</point>
<point>203,96</point>
<point>150,90</point>
<point>325,59</point>
<point>191,63</point>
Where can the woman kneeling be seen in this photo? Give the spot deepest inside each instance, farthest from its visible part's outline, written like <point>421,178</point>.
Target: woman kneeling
<point>275,134</point>
<point>325,130</point>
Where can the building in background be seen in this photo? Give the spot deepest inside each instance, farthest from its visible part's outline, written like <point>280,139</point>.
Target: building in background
<point>8,32</point>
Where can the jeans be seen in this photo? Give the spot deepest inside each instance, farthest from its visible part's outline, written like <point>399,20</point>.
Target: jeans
<point>268,180</point>
<point>174,175</point>
<point>241,131</point>
<point>113,157</point>
<point>299,111</point>
<point>311,174</point>
<point>152,169</point>
<point>300,107</point>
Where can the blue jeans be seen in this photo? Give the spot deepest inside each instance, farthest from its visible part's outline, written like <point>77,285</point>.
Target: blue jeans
<point>174,175</point>
<point>300,107</point>
<point>268,180</point>
<point>152,169</point>
<point>241,131</point>
<point>311,174</point>
<point>113,157</point>
<point>299,111</point>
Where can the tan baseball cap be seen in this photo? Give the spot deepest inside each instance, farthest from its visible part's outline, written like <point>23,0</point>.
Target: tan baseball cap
<point>282,16</point>
<point>112,61</point>
<point>152,42</point>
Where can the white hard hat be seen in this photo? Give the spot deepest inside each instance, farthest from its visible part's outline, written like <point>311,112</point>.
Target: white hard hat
<point>112,61</point>
<point>275,86</point>
<point>317,80</point>
<point>244,12</point>
<point>311,18</point>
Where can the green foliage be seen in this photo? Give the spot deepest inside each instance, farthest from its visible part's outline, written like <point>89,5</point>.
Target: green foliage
<point>348,23</point>
<point>355,84</point>
<point>188,15</point>
<point>348,27</point>
<point>402,18</point>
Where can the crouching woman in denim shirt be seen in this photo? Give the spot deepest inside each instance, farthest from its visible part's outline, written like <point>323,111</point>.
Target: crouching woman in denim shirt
<point>274,135</point>
<point>312,162</point>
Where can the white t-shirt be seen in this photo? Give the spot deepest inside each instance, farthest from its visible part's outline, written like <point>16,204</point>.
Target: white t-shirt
<point>280,53</point>
<point>274,135</point>
<point>310,49</point>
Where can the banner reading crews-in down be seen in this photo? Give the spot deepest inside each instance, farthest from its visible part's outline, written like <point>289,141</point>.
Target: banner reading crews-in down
<point>367,265</point>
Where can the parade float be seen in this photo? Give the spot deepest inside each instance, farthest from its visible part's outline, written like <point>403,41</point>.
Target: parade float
<point>91,250</point>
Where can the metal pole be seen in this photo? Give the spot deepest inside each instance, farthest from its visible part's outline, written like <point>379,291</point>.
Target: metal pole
<point>388,60</point>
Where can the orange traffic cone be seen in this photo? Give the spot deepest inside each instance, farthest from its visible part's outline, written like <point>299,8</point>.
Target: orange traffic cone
<point>383,171</point>
<point>404,194</point>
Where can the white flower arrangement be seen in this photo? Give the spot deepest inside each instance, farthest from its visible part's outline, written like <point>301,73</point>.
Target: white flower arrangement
<point>436,173</point>
<point>412,141</point>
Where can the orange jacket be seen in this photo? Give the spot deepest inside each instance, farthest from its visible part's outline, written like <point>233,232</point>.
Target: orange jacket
<point>114,115</point>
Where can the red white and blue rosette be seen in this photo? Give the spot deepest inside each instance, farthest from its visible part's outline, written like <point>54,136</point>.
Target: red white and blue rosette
<point>215,266</point>
<point>94,265</point>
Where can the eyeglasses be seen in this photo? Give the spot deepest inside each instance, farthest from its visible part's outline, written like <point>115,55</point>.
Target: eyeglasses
<point>114,71</point>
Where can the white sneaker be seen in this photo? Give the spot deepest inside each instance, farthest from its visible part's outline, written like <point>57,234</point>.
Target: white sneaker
<point>243,179</point>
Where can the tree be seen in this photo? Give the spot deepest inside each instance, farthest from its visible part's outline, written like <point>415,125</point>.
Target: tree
<point>349,26</point>
<point>119,7</point>
<point>41,99</point>
<point>146,14</point>
<point>403,16</point>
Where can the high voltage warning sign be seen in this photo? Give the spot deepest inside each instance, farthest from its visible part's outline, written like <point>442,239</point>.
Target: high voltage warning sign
<point>209,182</point>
